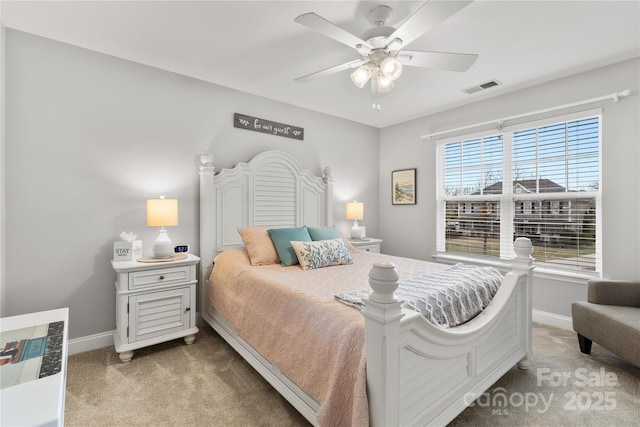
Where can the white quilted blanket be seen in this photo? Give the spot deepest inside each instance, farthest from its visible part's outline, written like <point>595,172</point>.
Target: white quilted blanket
<point>445,298</point>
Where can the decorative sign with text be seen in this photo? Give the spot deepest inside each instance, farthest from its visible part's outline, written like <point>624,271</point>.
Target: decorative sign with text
<point>267,126</point>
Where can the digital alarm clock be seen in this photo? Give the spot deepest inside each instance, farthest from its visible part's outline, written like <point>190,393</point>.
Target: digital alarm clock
<point>181,249</point>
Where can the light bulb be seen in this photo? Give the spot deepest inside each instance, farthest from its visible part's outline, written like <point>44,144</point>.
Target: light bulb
<point>385,84</point>
<point>391,68</point>
<point>361,76</point>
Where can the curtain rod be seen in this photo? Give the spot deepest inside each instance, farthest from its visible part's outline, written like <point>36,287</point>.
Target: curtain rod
<point>500,122</point>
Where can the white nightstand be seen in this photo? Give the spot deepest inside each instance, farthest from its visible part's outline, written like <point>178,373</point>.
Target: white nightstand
<point>155,302</point>
<point>369,244</point>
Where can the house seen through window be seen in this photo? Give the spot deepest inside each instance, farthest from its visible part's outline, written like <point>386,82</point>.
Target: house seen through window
<point>540,181</point>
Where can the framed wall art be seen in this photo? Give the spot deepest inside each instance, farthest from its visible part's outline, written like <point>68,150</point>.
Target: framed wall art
<point>403,187</point>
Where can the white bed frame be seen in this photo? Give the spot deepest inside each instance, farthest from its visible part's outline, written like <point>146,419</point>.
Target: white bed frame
<point>417,373</point>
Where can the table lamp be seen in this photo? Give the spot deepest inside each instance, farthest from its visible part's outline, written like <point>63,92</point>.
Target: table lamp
<point>162,213</point>
<point>355,211</point>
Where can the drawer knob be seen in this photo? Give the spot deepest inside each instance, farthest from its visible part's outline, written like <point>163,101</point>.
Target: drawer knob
<point>161,277</point>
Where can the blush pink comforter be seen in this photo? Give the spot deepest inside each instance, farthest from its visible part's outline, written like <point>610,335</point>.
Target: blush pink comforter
<point>290,316</point>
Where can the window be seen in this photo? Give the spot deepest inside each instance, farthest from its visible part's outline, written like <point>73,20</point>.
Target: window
<point>537,180</point>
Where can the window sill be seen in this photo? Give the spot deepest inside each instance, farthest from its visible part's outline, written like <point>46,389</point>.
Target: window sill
<point>541,271</point>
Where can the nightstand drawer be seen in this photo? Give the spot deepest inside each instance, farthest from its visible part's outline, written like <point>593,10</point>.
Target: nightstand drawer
<point>146,279</point>
<point>368,245</point>
<point>370,248</point>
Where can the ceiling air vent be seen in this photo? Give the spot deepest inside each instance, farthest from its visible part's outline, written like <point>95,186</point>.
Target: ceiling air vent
<point>483,86</point>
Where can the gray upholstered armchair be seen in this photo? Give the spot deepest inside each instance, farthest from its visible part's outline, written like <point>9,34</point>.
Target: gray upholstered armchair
<point>610,317</point>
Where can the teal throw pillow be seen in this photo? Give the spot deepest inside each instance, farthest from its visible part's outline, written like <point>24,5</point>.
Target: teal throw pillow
<point>324,233</point>
<point>282,237</point>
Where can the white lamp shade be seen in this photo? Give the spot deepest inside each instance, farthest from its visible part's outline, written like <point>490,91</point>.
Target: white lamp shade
<point>355,210</point>
<point>162,212</point>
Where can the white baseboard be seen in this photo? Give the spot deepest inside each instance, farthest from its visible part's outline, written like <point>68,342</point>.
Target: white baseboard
<point>552,319</point>
<point>101,340</point>
<point>90,342</point>
<point>105,339</point>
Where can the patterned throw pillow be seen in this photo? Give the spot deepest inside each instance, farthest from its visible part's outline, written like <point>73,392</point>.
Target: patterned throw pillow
<point>321,253</point>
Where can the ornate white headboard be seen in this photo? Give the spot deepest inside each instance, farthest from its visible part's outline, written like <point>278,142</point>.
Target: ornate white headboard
<point>271,190</point>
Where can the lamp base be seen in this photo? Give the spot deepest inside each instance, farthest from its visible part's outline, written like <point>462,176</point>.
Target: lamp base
<point>356,231</point>
<point>162,247</point>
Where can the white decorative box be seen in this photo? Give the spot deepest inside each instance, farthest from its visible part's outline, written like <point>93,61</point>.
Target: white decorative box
<point>127,251</point>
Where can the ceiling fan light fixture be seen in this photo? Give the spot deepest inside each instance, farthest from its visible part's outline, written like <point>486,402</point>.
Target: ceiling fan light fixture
<point>361,75</point>
<point>381,47</point>
<point>391,68</point>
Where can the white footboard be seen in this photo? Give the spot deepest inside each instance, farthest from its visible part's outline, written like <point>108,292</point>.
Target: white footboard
<point>420,374</point>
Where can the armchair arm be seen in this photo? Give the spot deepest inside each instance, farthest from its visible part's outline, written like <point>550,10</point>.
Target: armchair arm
<point>614,292</point>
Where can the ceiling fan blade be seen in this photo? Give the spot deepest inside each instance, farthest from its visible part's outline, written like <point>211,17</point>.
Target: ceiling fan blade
<point>460,62</point>
<point>331,70</point>
<point>331,30</point>
<point>430,14</point>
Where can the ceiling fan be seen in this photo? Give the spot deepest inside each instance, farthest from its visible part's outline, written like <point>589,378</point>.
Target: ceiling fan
<point>381,48</point>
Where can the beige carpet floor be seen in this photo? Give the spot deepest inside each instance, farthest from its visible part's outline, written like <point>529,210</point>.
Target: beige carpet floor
<point>208,384</point>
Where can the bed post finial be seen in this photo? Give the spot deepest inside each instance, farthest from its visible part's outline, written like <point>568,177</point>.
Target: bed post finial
<point>523,248</point>
<point>328,174</point>
<point>206,162</point>
<point>383,279</point>
<point>523,261</point>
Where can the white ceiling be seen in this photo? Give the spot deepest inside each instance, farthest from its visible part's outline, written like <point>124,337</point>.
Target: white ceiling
<point>256,46</point>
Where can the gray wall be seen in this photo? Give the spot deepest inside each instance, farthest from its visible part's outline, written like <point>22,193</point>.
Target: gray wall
<point>410,230</point>
<point>90,137</point>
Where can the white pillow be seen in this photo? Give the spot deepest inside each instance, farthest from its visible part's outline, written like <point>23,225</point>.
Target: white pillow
<point>321,253</point>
